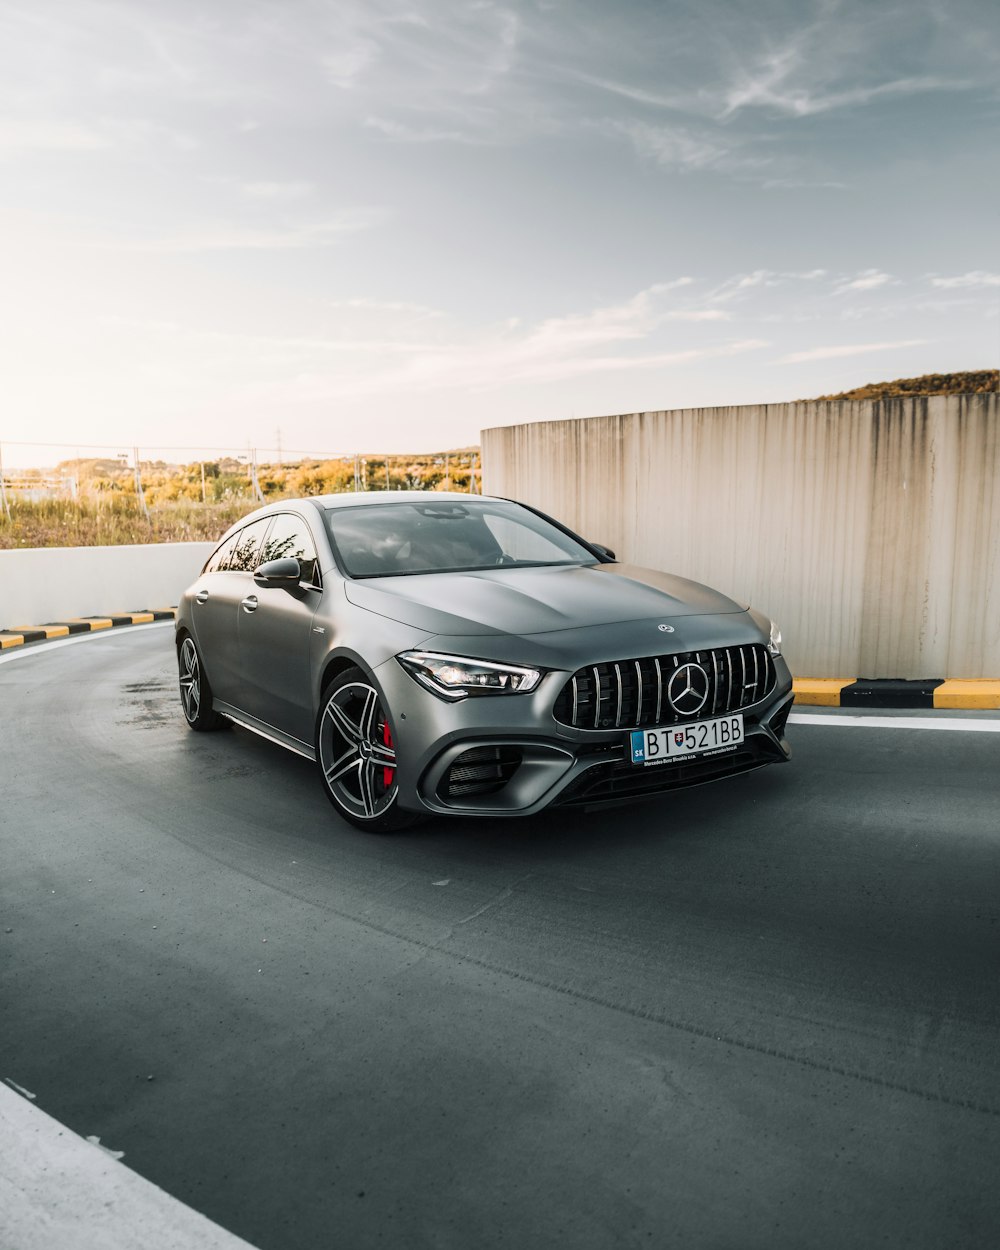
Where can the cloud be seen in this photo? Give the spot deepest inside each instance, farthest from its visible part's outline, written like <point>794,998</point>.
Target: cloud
<point>678,101</point>
<point>640,333</point>
<point>698,314</point>
<point>867,280</point>
<point>802,184</point>
<point>737,287</point>
<point>248,238</point>
<point>975,278</point>
<point>847,349</point>
<point>278,190</point>
<point>767,91</point>
<point>19,135</point>
<point>404,307</point>
<point>634,318</point>
<point>404,133</point>
<point>347,64</point>
<point>418,350</point>
<point>675,146</point>
<point>495,362</point>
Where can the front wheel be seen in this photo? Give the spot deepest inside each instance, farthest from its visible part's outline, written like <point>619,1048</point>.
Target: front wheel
<point>357,756</point>
<point>196,693</point>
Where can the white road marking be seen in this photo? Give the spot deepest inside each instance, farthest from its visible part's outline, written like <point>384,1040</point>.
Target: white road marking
<point>21,653</point>
<point>20,1088</point>
<point>899,722</point>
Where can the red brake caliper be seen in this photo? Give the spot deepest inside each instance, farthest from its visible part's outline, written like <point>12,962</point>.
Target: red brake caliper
<point>387,773</point>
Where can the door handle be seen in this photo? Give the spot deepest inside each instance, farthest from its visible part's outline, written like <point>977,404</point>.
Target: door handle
<point>249,604</point>
<point>201,596</point>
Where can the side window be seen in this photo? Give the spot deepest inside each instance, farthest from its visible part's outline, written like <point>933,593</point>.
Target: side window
<point>219,559</point>
<point>245,555</point>
<point>290,539</point>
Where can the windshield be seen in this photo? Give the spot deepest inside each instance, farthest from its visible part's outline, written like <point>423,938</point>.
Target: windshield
<point>387,540</point>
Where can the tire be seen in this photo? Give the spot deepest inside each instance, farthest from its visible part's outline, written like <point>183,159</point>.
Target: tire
<point>196,693</point>
<point>356,757</point>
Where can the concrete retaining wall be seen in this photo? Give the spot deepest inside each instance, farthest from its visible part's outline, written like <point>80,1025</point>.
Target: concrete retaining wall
<point>52,583</point>
<point>870,531</point>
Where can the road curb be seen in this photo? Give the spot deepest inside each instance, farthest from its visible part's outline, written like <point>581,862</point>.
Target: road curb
<point>936,692</point>
<point>19,635</point>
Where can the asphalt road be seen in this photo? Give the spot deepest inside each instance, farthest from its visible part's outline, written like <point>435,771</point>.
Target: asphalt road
<point>759,1013</point>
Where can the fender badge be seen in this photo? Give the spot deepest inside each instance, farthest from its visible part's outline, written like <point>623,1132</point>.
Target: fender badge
<point>665,629</point>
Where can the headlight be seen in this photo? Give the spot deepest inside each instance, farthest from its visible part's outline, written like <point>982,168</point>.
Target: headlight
<point>774,642</point>
<point>456,677</point>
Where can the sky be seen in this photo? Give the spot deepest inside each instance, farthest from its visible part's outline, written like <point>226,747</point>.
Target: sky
<point>369,225</point>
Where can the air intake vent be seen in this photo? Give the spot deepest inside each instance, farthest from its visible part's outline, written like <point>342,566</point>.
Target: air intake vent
<point>634,694</point>
<point>481,770</point>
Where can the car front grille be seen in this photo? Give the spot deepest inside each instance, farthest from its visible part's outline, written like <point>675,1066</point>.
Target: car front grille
<point>480,770</point>
<point>634,694</point>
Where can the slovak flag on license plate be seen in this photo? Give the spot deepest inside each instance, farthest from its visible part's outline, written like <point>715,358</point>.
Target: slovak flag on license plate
<point>678,739</point>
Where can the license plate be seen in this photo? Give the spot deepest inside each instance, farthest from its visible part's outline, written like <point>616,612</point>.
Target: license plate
<point>702,737</point>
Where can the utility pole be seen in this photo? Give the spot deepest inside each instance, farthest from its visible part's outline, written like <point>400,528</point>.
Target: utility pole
<point>472,474</point>
<point>138,485</point>
<point>258,494</point>
<point>3,488</point>
<point>387,483</point>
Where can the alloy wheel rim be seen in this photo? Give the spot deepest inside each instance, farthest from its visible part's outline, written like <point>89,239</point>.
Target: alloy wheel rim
<point>356,752</point>
<point>190,680</point>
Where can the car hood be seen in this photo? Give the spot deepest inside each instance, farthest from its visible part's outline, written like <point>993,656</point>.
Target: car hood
<point>531,601</point>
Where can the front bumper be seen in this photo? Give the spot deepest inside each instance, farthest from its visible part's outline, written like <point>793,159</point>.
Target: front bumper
<point>507,755</point>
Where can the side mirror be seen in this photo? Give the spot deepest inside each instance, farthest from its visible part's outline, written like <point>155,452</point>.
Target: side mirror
<point>604,552</point>
<point>279,573</point>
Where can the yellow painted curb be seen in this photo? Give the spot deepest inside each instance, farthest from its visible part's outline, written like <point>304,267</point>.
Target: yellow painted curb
<point>12,640</point>
<point>960,693</point>
<point>92,622</point>
<point>50,631</point>
<point>137,618</point>
<point>820,691</point>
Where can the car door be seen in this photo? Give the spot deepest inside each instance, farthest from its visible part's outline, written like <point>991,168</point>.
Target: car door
<point>217,597</point>
<point>274,631</point>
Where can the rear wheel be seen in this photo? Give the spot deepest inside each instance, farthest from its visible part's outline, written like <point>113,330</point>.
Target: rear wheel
<point>196,693</point>
<point>357,755</point>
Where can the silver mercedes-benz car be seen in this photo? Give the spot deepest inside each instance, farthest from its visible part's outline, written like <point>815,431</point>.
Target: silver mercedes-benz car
<point>456,654</point>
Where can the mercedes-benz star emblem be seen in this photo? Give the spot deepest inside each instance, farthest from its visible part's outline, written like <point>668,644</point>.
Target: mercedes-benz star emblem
<point>687,689</point>
<point>665,629</point>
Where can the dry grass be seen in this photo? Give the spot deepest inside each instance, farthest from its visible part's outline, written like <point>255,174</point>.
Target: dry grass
<point>115,522</point>
<point>975,382</point>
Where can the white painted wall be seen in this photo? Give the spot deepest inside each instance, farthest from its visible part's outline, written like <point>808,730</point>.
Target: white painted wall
<point>869,531</point>
<point>42,584</point>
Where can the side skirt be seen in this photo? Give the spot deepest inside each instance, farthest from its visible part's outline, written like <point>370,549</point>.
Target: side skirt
<point>246,721</point>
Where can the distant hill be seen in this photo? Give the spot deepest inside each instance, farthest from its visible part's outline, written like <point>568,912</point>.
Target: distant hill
<point>975,382</point>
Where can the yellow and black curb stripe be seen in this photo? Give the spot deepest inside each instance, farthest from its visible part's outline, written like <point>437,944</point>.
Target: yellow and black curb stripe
<point>18,635</point>
<point>869,692</point>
